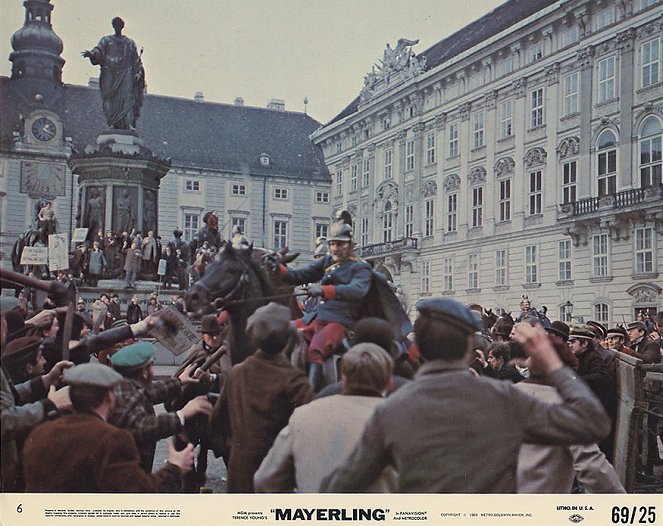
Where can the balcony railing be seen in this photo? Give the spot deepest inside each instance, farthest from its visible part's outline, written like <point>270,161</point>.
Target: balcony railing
<point>618,200</point>
<point>378,249</point>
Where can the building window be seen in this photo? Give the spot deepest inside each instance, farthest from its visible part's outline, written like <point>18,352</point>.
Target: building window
<point>504,67</point>
<point>644,250</point>
<point>322,197</point>
<point>191,225</point>
<point>477,206</point>
<point>607,164</point>
<point>453,139</point>
<point>364,231</point>
<point>409,155</point>
<point>191,185</point>
<point>644,4</point>
<point>651,163</point>
<point>366,174</point>
<point>238,189</point>
<point>339,147</point>
<point>354,141</point>
<point>409,220</point>
<point>565,313</point>
<point>477,130</point>
<point>238,223</point>
<point>473,271</point>
<point>505,200</point>
<point>354,172</point>
<point>429,227</point>
<point>570,36</point>
<point>569,177</point>
<point>387,223</point>
<point>651,62</point>
<point>565,260</point>
<point>506,119</point>
<point>448,274</point>
<point>606,79</point>
<point>571,94</point>
<point>321,230</point>
<point>500,268</point>
<point>339,182</point>
<point>536,53</point>
<point>388,174</point>
<point>386,124</point>
<point>535,192</point>
<point>430,148</point>
<point>452,212</point>
<point>531,266</point>
<point>536,111</point>
<point>600,255</point>
<point>280,234</point>
<point>425,277</point>
<point>604,18</point>
<point>601,313</point>
<point>280,193</point>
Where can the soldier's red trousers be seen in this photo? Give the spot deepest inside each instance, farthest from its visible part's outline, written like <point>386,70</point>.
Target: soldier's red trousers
<point>324,338</point>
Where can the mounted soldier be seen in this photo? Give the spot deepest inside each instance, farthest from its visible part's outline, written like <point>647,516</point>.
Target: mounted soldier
<point>344,281</point>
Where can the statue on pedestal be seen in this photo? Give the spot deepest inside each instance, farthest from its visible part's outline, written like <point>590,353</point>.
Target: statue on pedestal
<point>122,78</point>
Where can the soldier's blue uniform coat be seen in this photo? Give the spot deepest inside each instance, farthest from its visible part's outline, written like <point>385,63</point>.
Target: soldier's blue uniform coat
<point>345,285</point>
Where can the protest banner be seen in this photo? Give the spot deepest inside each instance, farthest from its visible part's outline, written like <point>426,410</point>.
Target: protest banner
<point>58,252</point>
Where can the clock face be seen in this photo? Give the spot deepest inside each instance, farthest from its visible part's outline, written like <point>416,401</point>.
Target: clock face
<point>43,129</point>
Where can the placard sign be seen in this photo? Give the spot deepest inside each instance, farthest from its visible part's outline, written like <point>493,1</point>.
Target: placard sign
<point>58,252</point>
<point>177,334</point>
<point>79,235</point>
<point>34,256</point>
<point>162,267</point>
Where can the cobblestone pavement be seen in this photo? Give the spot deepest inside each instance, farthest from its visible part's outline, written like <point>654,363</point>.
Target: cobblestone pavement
<point>216,468</point>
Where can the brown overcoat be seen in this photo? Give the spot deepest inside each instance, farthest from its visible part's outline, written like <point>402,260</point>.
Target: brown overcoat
<point>256,403</point>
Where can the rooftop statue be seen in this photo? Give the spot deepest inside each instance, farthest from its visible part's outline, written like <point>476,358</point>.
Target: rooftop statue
<point>122,78</point>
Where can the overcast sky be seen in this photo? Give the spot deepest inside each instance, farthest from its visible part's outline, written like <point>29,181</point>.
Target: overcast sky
<point>258,50</point>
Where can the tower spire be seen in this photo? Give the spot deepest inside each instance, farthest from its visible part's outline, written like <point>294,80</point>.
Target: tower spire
<point>36,47</point>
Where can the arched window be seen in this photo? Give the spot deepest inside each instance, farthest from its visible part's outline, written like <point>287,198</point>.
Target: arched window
<point>387,223</point>
<point>601,313</point>
<point>607,164</point>
<point>650,152</point>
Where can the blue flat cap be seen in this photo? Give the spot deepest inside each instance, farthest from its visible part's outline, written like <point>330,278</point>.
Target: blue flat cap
<point>449,311</point>
<point>92,375</point>
<point>134,356</point>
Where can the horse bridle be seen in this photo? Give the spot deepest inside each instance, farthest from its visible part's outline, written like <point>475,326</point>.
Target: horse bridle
<point>243,280</point>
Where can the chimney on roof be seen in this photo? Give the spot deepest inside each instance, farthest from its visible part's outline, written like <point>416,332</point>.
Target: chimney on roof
<point>276,104</point>
<point>239,101</point>
<point>93,82</point>
<point>199,97</point>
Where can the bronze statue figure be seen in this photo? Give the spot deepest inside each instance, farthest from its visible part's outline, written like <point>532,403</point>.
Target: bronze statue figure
<point>122,78</point>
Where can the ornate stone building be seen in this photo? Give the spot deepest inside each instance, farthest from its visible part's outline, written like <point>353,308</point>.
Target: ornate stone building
<point>257,167</point>
<point>521,155</point>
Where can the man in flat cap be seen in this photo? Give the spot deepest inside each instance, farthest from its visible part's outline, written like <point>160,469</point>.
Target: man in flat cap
<point>434,428</point>
<point>616,339</point>
<point>599,375</point>
<point>647,350</point>
<point>558,332</point>
<point>82,453</point>
<point>22,359</point>
<point>138,393</point>
<point>259,396</point>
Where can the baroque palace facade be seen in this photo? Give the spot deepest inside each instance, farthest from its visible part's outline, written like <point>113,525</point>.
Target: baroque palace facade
<point>519,156</point>
<point>257,167</point>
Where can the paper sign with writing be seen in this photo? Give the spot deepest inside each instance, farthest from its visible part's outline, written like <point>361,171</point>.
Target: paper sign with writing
<point>34,256</point>
<point>58,252</point>
<point>80,234</point>
<point>178,334</point>
<point>162,267</point>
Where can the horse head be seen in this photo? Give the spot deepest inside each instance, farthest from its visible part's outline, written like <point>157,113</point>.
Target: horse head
<point>224,279</point>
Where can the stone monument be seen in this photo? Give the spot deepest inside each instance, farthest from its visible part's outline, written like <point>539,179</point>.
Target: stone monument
<point>118,177</point>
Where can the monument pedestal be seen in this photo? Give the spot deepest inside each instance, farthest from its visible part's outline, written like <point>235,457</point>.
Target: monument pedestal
<point>118,181</point>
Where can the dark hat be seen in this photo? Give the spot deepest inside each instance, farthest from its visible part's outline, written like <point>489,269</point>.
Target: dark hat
<point>21,349</point>
<point>177,232</point>
<point>617,331</point>
<point>16,326</point>
<point>637,325</point>
<point>451,312</point>
<point>210,325</point>
<point>598,328</point>
<point>559,328</point>
<point>374,330</point>
<point>269,321</point>
<point>133,357</point>
<point>581,332</point>
<point>92,375</point>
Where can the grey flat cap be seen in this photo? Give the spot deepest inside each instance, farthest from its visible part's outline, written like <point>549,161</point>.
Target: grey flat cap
<point>93,375</point>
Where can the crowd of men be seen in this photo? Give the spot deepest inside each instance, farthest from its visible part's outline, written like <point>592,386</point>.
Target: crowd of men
<point>527,406</point>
